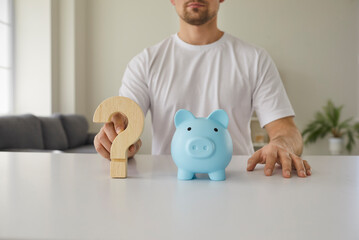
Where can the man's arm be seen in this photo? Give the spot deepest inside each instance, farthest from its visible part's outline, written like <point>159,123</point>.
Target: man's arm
<point>285,147</point>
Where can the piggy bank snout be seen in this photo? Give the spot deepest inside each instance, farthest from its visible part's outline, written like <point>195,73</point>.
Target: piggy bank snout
<point>200,147</point>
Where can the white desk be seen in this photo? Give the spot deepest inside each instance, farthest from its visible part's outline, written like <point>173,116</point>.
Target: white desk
<point>71,196</point>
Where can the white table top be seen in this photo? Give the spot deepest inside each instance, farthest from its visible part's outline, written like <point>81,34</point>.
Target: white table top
<point>71,196</point>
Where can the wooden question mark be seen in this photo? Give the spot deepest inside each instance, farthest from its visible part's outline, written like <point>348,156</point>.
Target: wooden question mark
<point>125,139</point>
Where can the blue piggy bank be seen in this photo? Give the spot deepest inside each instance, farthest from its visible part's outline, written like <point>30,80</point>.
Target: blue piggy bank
<point>201,145</point>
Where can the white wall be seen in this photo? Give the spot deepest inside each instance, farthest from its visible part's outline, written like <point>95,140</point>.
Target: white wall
<point>50,57</point>
<point>32,57</point>
<point>314,44</point>
<point>70,28</point>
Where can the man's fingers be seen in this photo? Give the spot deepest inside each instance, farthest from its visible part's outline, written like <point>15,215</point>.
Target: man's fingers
<point>104,141</point>
<point>110,131</point>
<point>119,122</point>
<point>133,149</point>
<point>286,163</point>
<point>307,167</point>
<point>104,153</point>
<point>271,159</point>
<point>299,165</point>
<point>100,149</point>
<point>253,161</point>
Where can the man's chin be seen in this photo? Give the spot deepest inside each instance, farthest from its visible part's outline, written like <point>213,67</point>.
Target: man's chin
<point>195,20</point>
<point>195,23</point>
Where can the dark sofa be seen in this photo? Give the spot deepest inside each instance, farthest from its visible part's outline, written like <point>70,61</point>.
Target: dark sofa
<point>65,133</point>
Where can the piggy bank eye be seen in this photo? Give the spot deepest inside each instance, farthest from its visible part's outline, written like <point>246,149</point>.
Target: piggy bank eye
<point>216,129</point>
<point>189,129</point>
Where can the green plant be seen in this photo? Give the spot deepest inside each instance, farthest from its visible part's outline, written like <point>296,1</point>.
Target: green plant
<point>328,122</point>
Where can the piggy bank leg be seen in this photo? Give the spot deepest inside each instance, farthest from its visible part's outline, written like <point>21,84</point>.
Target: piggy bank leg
<point>184,174</point>
<point>218,175</point>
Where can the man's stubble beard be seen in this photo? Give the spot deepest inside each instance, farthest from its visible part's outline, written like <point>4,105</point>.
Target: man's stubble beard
<point>191,17</point>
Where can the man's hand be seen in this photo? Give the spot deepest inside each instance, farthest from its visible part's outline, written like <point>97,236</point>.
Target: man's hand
<point>272,154</point>
<point>284,147</point>
<point>103,140</point>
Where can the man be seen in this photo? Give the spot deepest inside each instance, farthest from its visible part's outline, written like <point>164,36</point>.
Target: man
<point>202,69</point>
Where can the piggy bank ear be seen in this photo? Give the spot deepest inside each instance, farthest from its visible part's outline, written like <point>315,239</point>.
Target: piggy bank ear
<point>219,116</point>
<point>183,115</point>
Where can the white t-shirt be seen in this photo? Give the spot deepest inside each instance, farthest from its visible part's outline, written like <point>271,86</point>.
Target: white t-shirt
<point>228,74</point>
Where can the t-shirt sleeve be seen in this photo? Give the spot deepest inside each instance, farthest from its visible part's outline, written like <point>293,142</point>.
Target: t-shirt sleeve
<point>134,82</point>
<point>270,100</point>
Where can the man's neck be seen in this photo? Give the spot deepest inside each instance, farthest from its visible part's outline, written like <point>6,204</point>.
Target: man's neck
<point>200,35</point>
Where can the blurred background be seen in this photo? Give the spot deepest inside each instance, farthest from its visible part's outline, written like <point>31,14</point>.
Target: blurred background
<point>66,56</point>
